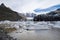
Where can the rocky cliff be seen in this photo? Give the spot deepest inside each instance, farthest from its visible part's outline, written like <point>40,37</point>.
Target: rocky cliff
<point>8,14</point>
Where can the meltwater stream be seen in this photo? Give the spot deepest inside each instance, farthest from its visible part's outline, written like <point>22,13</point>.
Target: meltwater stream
<point>36,30</point>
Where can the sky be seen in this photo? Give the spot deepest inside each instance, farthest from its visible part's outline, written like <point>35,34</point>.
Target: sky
<point>23,6</point>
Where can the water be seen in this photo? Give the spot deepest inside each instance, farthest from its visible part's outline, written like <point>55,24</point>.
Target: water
<point>37,35</point>
<point>37,30</point>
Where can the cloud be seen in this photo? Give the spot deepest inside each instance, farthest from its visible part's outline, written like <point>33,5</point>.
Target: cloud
<point>28,5</point>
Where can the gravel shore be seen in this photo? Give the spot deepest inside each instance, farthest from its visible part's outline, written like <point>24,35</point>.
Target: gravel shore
<point>4,36</point>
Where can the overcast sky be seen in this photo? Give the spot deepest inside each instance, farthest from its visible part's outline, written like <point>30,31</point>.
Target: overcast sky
<point>29,5</point>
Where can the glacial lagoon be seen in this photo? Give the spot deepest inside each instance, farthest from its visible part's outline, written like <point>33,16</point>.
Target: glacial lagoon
<point>30,30</point>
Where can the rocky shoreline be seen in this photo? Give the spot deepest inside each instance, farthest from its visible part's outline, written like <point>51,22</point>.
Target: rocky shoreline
<point>4,36</point>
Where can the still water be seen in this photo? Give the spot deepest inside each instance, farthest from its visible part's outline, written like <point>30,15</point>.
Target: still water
<point>36,35</point>
<point>36,30</point>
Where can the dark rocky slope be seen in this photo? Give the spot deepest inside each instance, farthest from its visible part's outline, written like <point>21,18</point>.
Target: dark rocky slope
<point>52,16</point>
<point>8,14</point>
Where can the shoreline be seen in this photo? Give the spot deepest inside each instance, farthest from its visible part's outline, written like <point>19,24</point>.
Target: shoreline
<point>5,36</point>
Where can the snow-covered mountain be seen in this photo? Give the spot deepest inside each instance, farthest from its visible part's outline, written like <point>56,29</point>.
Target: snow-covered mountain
<point>52,8</point>
<point>30,15</point>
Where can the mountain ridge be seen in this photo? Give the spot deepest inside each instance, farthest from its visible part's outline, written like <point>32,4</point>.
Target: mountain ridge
<point>51,16</point>
<point>52,8</point>
<point>8,14</point>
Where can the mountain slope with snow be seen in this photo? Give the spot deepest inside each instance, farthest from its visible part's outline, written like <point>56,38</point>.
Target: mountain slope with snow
<point>52,8</point>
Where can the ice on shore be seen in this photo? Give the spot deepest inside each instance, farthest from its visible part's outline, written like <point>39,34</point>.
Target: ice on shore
<point>30,24</point>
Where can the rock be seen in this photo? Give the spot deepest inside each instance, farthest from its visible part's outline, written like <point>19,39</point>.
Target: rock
<point>4,36</point>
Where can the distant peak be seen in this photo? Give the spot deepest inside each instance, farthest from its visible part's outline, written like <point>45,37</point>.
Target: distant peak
<point>58,9</point>
<point>2,5</point>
